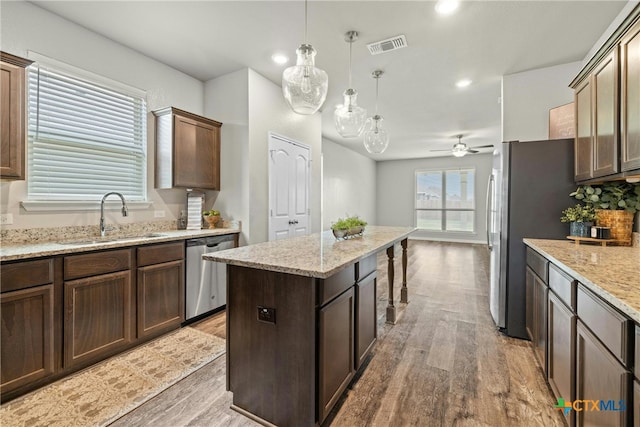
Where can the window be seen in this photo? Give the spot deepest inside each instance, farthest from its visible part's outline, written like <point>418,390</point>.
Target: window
<point>445,200</point>
<point>86,137</point>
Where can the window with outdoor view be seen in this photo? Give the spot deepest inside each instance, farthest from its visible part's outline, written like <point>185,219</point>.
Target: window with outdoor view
<point>445,200</point>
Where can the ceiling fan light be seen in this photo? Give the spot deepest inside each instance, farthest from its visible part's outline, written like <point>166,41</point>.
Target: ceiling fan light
<point>303,85</point>
<point>459,153</point>
<point>349,118</point>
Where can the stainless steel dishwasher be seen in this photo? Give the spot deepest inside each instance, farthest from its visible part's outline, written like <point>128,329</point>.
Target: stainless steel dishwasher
<point>206,287</point>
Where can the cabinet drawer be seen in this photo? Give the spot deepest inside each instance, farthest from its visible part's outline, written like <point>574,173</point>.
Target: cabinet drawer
<point>94,263</point>
<point>366,266</point>
<point>156,254</point>
<point>610,326</point>
<point>21,275</point>
<point>333,286</point>
<point>563,285</point>
<point>538,264</point>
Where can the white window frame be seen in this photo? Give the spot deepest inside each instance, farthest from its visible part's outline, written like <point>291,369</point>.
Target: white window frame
<point>444,209</point>
<point>90,203</point>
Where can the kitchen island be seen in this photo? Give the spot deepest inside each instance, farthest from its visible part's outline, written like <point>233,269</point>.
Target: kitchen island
<point>301,319</point>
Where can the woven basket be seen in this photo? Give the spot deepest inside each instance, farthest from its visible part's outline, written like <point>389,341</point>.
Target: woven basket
<point>620,222</point>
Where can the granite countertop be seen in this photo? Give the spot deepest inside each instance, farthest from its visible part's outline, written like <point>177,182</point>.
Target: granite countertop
<point>10,252</point>
<point>317,255</point>
<point>612,272</point>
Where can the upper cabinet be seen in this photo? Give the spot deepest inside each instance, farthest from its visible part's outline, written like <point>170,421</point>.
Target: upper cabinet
<point>187,150</point>
<point>13,116</point>
<point>630,97</point>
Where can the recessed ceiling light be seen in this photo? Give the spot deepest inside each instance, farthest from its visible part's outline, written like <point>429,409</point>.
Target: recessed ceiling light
<point>463,83</point>
<point>280,58</point>
<point>446,7</point>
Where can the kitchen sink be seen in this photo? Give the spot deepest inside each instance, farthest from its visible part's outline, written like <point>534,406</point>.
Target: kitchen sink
<point>110,239</point>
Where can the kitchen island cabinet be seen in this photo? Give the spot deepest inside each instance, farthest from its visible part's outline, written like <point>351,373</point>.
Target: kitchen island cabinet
<point>294,309</point>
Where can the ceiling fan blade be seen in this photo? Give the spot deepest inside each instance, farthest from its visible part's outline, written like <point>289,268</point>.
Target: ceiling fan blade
<point>448,149</point>
<point>482,146</point>
<point>472,151</point>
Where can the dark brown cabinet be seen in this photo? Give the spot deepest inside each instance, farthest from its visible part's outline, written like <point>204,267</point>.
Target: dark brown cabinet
<point>630,99</point>
<point>599,375</point>
<point>561,355</point>
<point>335,346</point>
<point>366,329</point>
<point>27,347</point>
<point>636,403</point>
<point>99,311</point>
<point>160,288</point>
<point>583,149</point>
<point>187,150</point>
<point>536,315</point>
<point>12,116</point>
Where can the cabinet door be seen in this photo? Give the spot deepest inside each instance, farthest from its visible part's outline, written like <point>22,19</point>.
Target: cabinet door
<point>540,301</point>
<point>561,342</point>
<point>636,404</point>
<point>98,317</point>
<point>366,324</point>
<point>335,359</point>
<point>27,332</point>
<point>12,124</point>
<point>630,99</point>
<point>605,129</point>
<point>529,283</point>
<point>599,376</point>
<point>160,298</point>
<point>583,160</point>
<point>196,153</point>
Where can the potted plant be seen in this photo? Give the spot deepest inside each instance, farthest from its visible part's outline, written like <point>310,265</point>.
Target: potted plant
<point>348,227</point>
<point>615,204</point>
<point>580,219</point>
<point>212,217</point>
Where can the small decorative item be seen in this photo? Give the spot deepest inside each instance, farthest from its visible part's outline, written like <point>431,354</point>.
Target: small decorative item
<point>348,227</point>
<point>615,203</point>
<point>212,217</point>
<point>580,220</point>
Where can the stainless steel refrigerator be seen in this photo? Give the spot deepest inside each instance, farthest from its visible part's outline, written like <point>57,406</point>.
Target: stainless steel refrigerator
<point>528,189</point>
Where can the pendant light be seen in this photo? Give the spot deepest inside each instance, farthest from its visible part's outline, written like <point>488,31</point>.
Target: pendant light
<point>376,138</point>
<point>348,117</point>
<point>304,86</point>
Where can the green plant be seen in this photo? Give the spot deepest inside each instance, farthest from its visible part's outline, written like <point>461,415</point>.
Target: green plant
<point>578,213</point>
<point>614,195</point>
<point>347,223</point>
<point>210,212</point>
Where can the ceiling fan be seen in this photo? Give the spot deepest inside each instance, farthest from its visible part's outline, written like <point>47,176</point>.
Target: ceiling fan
<point>460,149</point>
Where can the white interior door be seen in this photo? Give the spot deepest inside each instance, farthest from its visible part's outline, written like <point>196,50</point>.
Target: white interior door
<point>289,182</point>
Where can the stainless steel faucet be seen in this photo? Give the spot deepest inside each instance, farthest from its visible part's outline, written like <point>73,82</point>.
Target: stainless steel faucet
<point>125,210</point>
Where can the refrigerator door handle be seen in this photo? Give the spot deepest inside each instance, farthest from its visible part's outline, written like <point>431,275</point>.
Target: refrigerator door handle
<point>490,188</point>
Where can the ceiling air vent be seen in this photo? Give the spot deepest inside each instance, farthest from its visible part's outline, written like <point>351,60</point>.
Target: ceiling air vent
<point>383,46</point>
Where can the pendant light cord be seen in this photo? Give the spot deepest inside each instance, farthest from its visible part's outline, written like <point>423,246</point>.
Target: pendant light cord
<point>377,79</point>
<point>350,48</point>
<point>305,21</point>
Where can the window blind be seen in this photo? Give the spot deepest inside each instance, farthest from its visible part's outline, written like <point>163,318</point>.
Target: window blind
<point>85,138</point>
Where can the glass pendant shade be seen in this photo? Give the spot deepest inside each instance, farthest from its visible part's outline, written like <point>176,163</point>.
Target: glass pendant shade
<point>304,86</point>
<point>376,137</point>
<point>349,118</point>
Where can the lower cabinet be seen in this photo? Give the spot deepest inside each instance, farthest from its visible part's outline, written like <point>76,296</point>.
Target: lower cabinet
<point>26,350</point>
<point>335,347</point>
<point>98,317</point>
<point>636,404</point>
<point>561,352</point>
<point>536,315</point>
<point>599,376</point>
<point>366,321</point>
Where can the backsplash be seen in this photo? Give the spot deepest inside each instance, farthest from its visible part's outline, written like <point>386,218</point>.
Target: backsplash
<point>42,235</point>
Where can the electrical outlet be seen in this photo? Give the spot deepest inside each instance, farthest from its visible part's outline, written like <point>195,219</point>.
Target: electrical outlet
<point>158,214</point>
<point>6,219</point>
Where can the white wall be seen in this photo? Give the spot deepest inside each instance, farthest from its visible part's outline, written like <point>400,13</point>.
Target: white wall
<point>396,193</point>
<point>349,184</point>
<point>25,27</point>
<point>527,98</point>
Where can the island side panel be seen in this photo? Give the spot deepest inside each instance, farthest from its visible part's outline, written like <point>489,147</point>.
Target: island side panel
<point>271,366</point>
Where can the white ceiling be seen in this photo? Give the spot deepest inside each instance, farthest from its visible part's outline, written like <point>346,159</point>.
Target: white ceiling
<point>418,98</point>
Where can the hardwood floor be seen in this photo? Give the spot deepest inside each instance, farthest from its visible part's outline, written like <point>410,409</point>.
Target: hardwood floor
<point>442,364</point>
